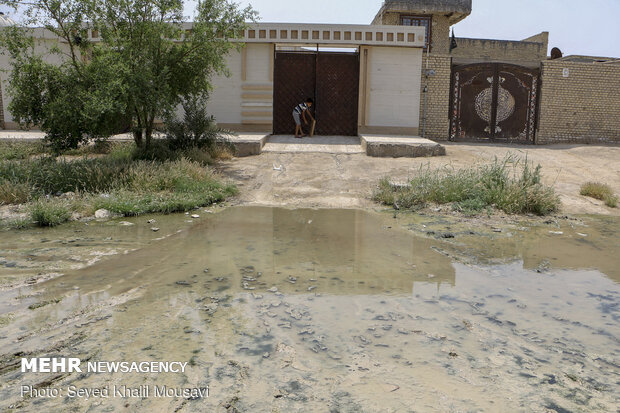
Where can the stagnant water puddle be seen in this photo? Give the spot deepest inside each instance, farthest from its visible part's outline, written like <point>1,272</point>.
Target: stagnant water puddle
<point>327,310</point>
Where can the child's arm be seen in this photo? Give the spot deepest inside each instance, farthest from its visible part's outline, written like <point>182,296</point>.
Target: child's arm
<point>309,114</point>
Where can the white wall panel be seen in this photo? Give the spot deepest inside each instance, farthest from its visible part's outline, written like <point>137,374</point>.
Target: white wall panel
<point>225,99</point>
<point>394,93</point>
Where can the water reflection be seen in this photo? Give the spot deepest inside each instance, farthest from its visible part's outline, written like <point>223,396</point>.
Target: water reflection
<point>332,309</point>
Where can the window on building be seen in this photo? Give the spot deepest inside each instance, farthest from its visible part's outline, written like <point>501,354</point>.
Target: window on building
<point>423,21</point>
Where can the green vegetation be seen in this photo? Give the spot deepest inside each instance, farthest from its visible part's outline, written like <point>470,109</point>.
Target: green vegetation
<point>510,185</point>
<point>142,66</point>
<point>122,182</point>
<point>49,213</point>
<point>13,150</point>
<point>600,191</point>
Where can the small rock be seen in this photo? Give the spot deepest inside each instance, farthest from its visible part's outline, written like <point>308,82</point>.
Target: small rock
<point>556,232</point>
<point>125,223</point>
<point>273,290</point>
<point>312,287</point>
<point>182,283</point>
<point>496,229</point>
<point>154,229</point>
<point>150,221</point>
<point>195,216</point>
<point>102,214</point>
<point>266,355</point>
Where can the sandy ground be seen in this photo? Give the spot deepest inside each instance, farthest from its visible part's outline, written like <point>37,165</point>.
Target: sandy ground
<point>340,180</point>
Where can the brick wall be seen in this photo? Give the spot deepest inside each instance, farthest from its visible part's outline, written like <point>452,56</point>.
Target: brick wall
<point>527,53</point>
<point>580,108</point>
<point>438,97</point>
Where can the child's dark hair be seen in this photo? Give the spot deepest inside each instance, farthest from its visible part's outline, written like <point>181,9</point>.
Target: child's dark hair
<point>309,100</point>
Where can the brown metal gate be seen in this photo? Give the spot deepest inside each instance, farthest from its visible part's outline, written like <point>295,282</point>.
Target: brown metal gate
<point>331,79</point>
<point>495,102</point>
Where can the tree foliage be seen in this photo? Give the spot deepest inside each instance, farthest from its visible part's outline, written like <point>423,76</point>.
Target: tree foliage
<point>141,65</point>
<point>196,128</point>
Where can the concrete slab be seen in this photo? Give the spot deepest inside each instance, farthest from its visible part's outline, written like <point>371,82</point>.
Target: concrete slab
<point>248,144</point>
<point>397,146</point>
<point>19,135</point>
<point>315,144</point>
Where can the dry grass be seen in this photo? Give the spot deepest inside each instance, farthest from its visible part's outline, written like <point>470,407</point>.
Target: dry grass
<point>601,192</point>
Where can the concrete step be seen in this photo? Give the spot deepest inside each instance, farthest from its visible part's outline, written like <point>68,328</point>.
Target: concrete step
<point>320,144</point>
<point>396,146</point>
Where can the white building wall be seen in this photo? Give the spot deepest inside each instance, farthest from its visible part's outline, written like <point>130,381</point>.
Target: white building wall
<point>244,101</point>
<point>394,87</point>
<point>225,98</point>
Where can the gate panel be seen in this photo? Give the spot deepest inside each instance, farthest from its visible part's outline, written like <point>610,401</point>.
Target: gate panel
<point>294,81</point>
<point>516,109</point>
<point>472,102</point>
<point>337,94</point>
<point>493,101</point>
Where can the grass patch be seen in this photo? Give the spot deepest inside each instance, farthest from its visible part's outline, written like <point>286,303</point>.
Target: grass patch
<point>120,181</point>
<point>16,150</point>
<point>510,185</point>
<point>601,192</point>
<point>12,192</point>
<point>49,213</point>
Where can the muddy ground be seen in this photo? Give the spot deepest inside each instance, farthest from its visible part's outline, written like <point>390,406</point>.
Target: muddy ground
<point>330,310</point>
<point>347,180</point>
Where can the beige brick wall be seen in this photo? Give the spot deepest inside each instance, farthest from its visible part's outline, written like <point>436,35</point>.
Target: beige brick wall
<point>483,50</point>
<point>438,97</point>
<point>580,108</point>
<point>440,35</point>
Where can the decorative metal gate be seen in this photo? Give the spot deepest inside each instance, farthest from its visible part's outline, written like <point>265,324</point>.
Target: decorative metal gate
<point>495,102</point>
<point>331,79</point>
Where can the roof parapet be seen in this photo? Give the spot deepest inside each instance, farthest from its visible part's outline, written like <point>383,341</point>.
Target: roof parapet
<point>455,10</point>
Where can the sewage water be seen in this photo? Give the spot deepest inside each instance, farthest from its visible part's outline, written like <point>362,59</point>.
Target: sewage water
<point>326,310</point>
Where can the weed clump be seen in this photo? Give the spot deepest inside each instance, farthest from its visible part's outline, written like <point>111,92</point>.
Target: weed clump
<point>49,213</point>
<point>601,192</point>
<point>510,185</point>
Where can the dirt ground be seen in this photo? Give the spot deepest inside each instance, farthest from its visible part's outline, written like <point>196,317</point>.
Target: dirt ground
<point>347,180</point>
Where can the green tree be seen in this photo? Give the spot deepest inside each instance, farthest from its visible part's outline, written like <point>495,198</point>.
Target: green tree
<point>145,60</point>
